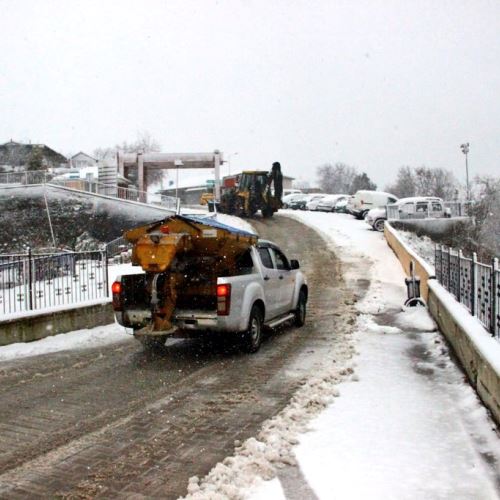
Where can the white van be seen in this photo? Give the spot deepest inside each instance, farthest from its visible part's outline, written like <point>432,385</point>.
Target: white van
<point>362,201</point>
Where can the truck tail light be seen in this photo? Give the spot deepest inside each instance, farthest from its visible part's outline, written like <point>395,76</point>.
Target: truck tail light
<point>223,299</point>
<point>116,289</point>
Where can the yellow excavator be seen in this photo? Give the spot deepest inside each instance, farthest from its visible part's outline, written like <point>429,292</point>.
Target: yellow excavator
<point>255,190</point>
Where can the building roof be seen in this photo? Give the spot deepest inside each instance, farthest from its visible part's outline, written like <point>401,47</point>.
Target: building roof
<point>18,154</point>
<point>84,154</point>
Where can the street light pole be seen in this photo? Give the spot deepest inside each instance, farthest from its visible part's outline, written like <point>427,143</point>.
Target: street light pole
<point>465,151</point>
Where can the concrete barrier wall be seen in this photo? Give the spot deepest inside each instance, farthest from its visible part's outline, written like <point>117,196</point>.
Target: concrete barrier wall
<point>38,326</point>
<point>406,256</point>
<point>477,350</point>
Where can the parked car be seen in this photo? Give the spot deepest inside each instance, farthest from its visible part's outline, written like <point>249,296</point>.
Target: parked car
<point>328,203</point>
<point>299,202</point>
<point>313,203</point>
<point>289,198</point>
<point>363,200</point>
<point>341,205</point>
<point>376,218</point>
<point>418,207</point>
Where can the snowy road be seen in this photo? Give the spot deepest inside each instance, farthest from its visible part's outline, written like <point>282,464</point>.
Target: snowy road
<point>111,421</point>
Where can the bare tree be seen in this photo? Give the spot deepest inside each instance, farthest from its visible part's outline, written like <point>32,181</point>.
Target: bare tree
<point>404,186</point>
<point>336,178</point>
<point>424,181</point>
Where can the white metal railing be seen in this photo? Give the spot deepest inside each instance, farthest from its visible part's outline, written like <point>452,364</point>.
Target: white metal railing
<point>37,177</point>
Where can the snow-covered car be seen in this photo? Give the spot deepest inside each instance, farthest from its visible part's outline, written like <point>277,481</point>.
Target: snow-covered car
<point>313,203</point>
<point>328,203</point>
<point>418,207</point>
<point>341,205</point>
<point>299,203</point>
<point>376,218</point>
<point>364,200</point>
<point>290,197</point>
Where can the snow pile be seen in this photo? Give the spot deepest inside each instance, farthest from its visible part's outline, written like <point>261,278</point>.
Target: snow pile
<point>78,339</point>
<point>421,245</point>
<point>415,319</point>
<point>258,458</point>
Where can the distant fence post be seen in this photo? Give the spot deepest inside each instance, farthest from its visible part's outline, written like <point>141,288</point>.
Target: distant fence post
<point>473,301</point>
<point>106,276</point>
<point>459,274</point>
<point>30,280</point>
<point>495,299</point>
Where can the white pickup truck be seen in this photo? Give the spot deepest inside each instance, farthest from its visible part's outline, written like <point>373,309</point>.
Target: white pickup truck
<point>266,290</point>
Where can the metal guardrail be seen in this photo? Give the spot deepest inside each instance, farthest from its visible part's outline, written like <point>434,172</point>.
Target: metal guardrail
<point>30,282</point>
<point>36,177</point>
<point>117,246</point>
<point>475,284</point>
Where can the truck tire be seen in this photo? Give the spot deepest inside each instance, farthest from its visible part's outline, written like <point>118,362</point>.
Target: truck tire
<point>300,311</point>
<point>379,225</point>
<point>151,343</point>
<point>252,336</point>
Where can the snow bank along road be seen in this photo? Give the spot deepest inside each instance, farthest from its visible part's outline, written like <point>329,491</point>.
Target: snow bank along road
<point>111,421</point>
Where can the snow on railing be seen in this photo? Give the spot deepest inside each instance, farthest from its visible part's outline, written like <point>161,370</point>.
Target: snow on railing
<point>475,284</point>
<point>30,282</point>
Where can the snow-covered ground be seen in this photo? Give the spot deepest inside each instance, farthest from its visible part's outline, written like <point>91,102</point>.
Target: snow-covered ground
<point>403,424</point>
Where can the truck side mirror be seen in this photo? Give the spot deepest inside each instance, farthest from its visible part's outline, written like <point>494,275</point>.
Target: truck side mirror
<point>294,264</point>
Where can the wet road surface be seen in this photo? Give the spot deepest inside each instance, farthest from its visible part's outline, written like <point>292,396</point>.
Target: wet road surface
<point>118,422</point>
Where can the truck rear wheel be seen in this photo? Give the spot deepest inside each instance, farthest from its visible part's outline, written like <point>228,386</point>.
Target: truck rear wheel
<point>252,336</point>
<point>151,343</point>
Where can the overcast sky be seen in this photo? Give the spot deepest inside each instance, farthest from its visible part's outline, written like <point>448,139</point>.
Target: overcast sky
<point>375,84</point>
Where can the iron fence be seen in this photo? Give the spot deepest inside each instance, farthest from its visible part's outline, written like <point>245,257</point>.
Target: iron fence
<point>117,247</point>
<point>30,177</point>
<point>475,284</point>
<point>30,282</point>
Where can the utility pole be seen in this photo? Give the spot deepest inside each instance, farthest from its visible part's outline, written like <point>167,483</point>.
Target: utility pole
<point>465,151</point>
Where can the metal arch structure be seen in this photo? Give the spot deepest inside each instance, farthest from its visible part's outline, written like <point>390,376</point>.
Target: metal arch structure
<point>164,161</point>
